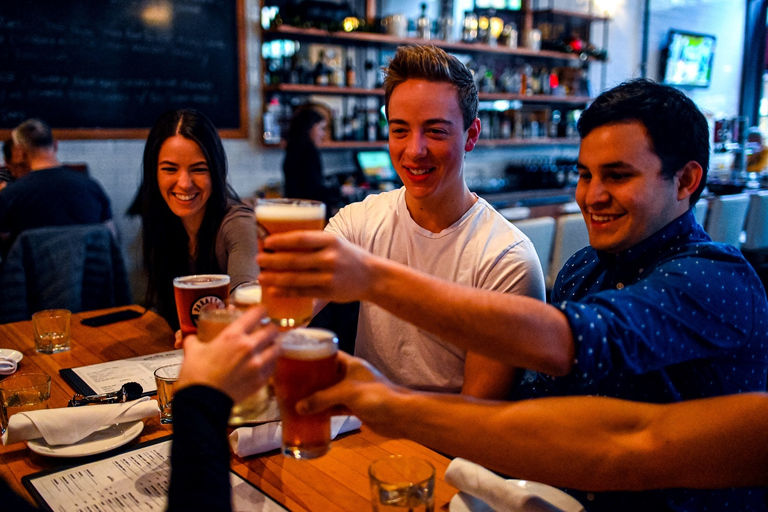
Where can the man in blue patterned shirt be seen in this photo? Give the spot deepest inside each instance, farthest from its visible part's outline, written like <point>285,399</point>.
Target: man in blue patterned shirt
<point>652,311</point>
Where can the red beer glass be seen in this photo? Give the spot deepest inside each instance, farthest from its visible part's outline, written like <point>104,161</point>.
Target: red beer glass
<point>307,364</point>
<point>193,293</point>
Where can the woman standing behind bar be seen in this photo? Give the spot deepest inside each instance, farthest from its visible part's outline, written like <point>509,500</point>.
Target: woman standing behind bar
<point>193,222</point>
<point>302,167</point>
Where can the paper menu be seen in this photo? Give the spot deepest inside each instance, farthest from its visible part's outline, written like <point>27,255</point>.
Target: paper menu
<point>137,480</point>
<point>107,377</point>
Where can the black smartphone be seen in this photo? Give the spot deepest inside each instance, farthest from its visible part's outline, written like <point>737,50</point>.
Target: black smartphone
<point>110,318</point>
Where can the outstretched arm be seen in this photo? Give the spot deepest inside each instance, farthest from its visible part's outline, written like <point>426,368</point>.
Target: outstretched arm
<point>213,376</point>
<point>588,443</point>
<point>517,330</point>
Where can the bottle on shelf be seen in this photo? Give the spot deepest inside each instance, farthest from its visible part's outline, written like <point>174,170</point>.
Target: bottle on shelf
<point>323,71</point>
<point>423,24</point>
<point>271,122</point>
<point>469,31</point>
<point>350,76</point>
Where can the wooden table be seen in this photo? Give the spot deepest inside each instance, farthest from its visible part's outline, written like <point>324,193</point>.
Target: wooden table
<point>336,482</point>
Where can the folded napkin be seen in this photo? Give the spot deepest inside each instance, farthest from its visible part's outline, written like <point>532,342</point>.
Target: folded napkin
<point>494,490</point>
<point>247,441</point>
<point>69,425</point>
<point>7,366</point>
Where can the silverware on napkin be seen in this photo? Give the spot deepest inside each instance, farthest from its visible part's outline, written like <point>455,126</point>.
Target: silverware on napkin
<point>127,392</point>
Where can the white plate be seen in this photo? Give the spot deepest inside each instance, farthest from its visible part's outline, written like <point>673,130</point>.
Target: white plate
<point>465,503</point>
<point>99,442</point>
<point>8,353</point>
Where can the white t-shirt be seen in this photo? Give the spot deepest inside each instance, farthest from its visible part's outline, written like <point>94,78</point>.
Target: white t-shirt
<point>481,249</point>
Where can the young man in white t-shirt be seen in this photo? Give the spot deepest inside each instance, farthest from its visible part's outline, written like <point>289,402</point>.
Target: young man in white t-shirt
<point>436,225</point>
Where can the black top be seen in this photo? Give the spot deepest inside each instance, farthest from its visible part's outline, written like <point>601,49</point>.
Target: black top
<point>199,455</point>
<point>57,196</point>
<point>303,175</point>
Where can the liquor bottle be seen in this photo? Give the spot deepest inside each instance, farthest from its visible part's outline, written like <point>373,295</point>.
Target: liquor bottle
<point>349,72</point>
<point>322,70</point>
<point>271,122</point>
<point>423,24</point>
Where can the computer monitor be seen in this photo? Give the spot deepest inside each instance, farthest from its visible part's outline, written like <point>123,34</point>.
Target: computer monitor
<point>376,166</point>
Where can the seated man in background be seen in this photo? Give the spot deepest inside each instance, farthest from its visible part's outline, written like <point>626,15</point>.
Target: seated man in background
<point>14,168</point>
<point>50,194</point>
<point>652,311</point>
<point>434,224</point>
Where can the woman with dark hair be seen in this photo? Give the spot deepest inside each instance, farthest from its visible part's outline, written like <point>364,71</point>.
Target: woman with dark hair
<point>193,220</point>
<point>302,167</point>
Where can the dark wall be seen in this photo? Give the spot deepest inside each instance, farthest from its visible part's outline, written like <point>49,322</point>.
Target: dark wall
<point>118,63</point>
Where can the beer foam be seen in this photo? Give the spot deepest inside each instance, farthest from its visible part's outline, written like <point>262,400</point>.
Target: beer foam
<point>200,281</point>
<point>248,294</point>
<point>308,343</point>
<point>277,211</point>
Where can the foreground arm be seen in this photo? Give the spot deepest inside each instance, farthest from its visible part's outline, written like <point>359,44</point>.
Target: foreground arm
<point>485,377</point>
<point>213,376</point>
<point>588,443</point>
<point>517,330</point>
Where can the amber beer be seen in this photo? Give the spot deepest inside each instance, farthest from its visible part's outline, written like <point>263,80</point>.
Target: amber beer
<point>307,364</point>
<point>195,292</point>
<point>278,216</point>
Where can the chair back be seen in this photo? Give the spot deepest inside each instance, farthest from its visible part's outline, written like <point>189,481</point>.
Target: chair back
<point>79,268</point>
<point>570,236</point>
<point>756,225</point>
<point>541,232</point>
<point>700,211</point>
<point>725,221</point>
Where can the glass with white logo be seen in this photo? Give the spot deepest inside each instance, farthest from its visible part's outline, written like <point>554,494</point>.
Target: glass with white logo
<point>193,293</point>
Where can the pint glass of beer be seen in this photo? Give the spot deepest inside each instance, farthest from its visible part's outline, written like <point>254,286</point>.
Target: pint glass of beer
<point>195,292</point>
<point>278,216</point>
<point>307,364</point>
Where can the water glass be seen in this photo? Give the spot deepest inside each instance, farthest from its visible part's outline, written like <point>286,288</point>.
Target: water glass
<point>51,330</point>
<point>21,393</point>
<point>399,482</point>
<point>165,379</point>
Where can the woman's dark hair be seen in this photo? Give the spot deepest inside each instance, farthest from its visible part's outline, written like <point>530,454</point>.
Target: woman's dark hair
<point>166,244</point>
<point>304,118</point>
<point>676,127</point>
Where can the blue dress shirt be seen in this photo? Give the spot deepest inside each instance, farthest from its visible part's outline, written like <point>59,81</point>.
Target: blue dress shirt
<point>675,317</point>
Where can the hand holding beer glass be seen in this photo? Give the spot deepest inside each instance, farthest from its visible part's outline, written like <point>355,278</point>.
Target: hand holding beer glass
<point>307,364</point>
<point>278,216</point>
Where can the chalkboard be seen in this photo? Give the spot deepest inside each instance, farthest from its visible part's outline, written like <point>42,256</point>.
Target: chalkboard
<point>109,68</point>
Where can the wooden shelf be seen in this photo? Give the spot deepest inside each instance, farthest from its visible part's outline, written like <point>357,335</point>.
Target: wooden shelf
<point>484,96</point>
<point>535,98</point>
<point>289,32</point>
<point>542,141</point>
<point>490,143</point>
<point>571,14</point>
<point>323,89</point>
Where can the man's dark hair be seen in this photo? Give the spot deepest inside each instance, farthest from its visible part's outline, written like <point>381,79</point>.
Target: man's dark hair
<point>677,129</point>
<point>33,134</point>
<point>435,65</point>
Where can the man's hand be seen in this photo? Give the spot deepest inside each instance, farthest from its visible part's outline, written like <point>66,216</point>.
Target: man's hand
<point>238,361</point>
<point>363,391</point>
<point>314,264</point>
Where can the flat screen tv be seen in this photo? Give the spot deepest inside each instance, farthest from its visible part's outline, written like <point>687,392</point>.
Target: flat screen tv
<point>376,166</point>
<point>687,59</point>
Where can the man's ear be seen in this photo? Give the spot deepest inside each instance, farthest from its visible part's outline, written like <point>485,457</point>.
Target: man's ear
<point>688,179</point>
<point>473,133</point>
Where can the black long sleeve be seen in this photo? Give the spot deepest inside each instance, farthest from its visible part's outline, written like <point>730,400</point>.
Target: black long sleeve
<point>200,451</point>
